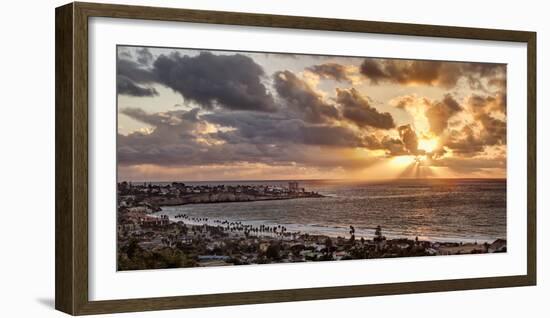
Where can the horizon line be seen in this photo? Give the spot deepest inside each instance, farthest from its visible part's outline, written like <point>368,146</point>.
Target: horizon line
<point>305,180</point>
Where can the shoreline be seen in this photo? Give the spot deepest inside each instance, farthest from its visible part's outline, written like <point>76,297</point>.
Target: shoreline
<point>155,241</point>
<point>332,231</point>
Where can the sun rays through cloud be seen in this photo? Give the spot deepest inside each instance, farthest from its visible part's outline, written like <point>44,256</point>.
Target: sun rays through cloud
<point>212,114</point>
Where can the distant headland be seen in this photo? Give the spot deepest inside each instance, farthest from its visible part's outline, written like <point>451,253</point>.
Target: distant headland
<point>154,196</point>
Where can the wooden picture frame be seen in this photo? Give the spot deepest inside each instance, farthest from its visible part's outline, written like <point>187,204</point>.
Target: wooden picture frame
<point>71,290</point>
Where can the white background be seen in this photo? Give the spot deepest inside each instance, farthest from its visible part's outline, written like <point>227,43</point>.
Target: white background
<point>27,161</point>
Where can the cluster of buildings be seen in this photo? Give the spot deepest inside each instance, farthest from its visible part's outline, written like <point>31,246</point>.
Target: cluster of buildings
<point>152,196</point>
<point>221,244</point>
<point>147,239</point>
<point>178,188</point>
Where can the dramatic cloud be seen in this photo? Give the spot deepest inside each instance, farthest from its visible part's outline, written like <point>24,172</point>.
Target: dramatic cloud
<point>234,117</point>
<point>394,146</point>
<point>332,71</point>
<point>490,103</point>
<point>262,129</point>
<point>135,71</point>
<point>122,53</point>
<point>410,72</point>
<point>336,136</point>
<point>440,112</point>
<point>302,98</point>
<point>182,138</point>
<point>159,119</point>
<point>358,110</point>
<point>486,131</point>
<point>433,73</point>
<point>475,73</point>
<point>490,131</point>
<point>228,81</point>
<point>125,86</point>
<point>172,139</point>
<point>254,128</point>
<point>494,130</point>
<point>409,139</point>
<point>477,125</point>
<point>464,142</point>
<point>144,56</point>
<point>133,79</point>
<point>499,83</point>
<point>188,138</point>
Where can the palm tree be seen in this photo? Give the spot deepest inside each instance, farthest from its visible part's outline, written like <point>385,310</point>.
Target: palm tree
<point>378,232</point>
<point>329,246</point>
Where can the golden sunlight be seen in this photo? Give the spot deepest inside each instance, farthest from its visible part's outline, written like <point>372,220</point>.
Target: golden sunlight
<point>402,161</point>
<point>428,145</point>
<point>420,159</point>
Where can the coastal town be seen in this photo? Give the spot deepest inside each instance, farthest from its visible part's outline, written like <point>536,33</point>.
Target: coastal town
<point>149,239</point>
<point>153,196</point>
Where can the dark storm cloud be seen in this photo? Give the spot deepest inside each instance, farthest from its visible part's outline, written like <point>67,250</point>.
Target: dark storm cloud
<point>133,79</point>
<point>332,71</point>
<point>409,139</point>
<point>358,110</point>
<point>174,141</point>
<point>159,119</point>
<point>249,137</point>
<point>124,54</point>
<point>276,129</point>
<point>335,136</point>
<point>253,127</point>
<point>298,123</point>
<point>374,69</point>
<point>125,86</point>
<point>410,72</point>
<point>406,144</point>
<point>171,140</point>
<point>135,71</point>
<point>434,73</point>
<point>227,81</point>
<point>439,113</point>
<point>144,56</point>
<point>301,98</point>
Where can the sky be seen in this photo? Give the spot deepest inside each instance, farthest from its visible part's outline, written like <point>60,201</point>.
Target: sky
<point>205,115</point>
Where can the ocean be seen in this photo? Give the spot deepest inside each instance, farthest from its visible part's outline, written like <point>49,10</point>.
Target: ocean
<point>445,210</point>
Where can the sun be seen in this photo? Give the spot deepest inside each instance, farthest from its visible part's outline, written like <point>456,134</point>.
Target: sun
<point>428,145</point>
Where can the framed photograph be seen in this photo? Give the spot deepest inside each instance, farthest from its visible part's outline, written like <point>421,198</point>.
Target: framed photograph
<point>220,158</point>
